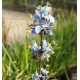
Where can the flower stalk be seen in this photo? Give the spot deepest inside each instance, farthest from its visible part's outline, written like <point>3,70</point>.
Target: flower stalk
<point>42,24</point>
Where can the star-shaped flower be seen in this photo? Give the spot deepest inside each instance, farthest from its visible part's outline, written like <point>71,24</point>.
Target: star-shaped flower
<point>34,47</point>
<point>36,76</point>
<point>44,71</point>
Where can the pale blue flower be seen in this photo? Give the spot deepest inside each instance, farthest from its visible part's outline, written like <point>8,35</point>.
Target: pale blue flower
<point>33,31</point>
<point>45,25</point>
<point>49,32</point>
<point>37,12</point>
<point>48,8</point>
<point>38,29</point>
<point>45,9</point>
<point>37,19</point>
<point>51,18</point>
<point>35,48</point>
<point>44,71</point>
<point>45,46</point>
<point>34,44</point>
<point>47,49</point>
<point>44,43</point>
<point>46,56</point>
<point>44,15</point>
<point>36,76</point>
<point>51,24</point>
<point>43,21</point>
<point>44,77</point>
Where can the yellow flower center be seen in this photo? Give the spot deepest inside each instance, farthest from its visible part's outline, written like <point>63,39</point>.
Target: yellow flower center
<point>47,65</point>
<point>39,7</point>
<point>49,45</point>
<point>53,52</point>
<point>36,23</point>
<point>30,15</point>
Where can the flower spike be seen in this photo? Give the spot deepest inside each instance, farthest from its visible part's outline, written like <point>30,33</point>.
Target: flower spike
<point>43,21</point>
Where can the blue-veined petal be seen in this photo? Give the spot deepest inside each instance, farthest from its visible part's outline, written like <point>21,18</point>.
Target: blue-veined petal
<point>34,43</point>
<point>47,55</point>
<point>44,71</point>
<point>47,49</point>
<point>45,25</point>
<point>37,29</point>
<point>36,76</point>
<point>45,46</point>
<point>36,73</point>
<point>44,15</point>
<point>48,8</point>
<point>33,31</point>
<point>43,77</point>
<point>51,18</point>
<point>51,24</point>
<point>37,12</point>
<point>44,43</point>
<point>37,19</point>
<point>34,47</point>
<point>49,32</point>
<point>45,9</point>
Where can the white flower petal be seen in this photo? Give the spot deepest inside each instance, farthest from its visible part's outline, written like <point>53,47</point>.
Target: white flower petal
<point>34,47</point>
<point>47,59</point>
<point>33,31</point>
<point>44,71</point>
<point>44,15</point>
<point>36,73</point>
<point>45,25</point>
<point>44,43</point>
<point>49,32</point>
<point>37,19</point>
<point>48,8</point>
<point>37,12</point>
<point>51,18</point>
<point>45,9</point>
<point>37,29</point>
<point>34,43</point>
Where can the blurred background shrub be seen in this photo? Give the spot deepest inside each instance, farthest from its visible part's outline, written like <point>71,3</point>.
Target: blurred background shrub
<point>22,5</point>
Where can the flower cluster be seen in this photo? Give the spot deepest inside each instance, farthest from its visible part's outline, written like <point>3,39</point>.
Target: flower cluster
<point>43,21</point>
<point>38,76</point>
<point>45,51</point>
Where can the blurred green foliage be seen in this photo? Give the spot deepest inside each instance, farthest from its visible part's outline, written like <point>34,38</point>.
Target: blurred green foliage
<point>20,4</point>
<point>17,60</point>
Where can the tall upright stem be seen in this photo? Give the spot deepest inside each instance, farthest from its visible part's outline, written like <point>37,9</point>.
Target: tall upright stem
<point>40,61</point>
<point>41,40</point>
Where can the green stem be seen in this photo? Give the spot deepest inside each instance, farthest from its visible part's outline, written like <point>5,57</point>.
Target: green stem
<point>66,74</point>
